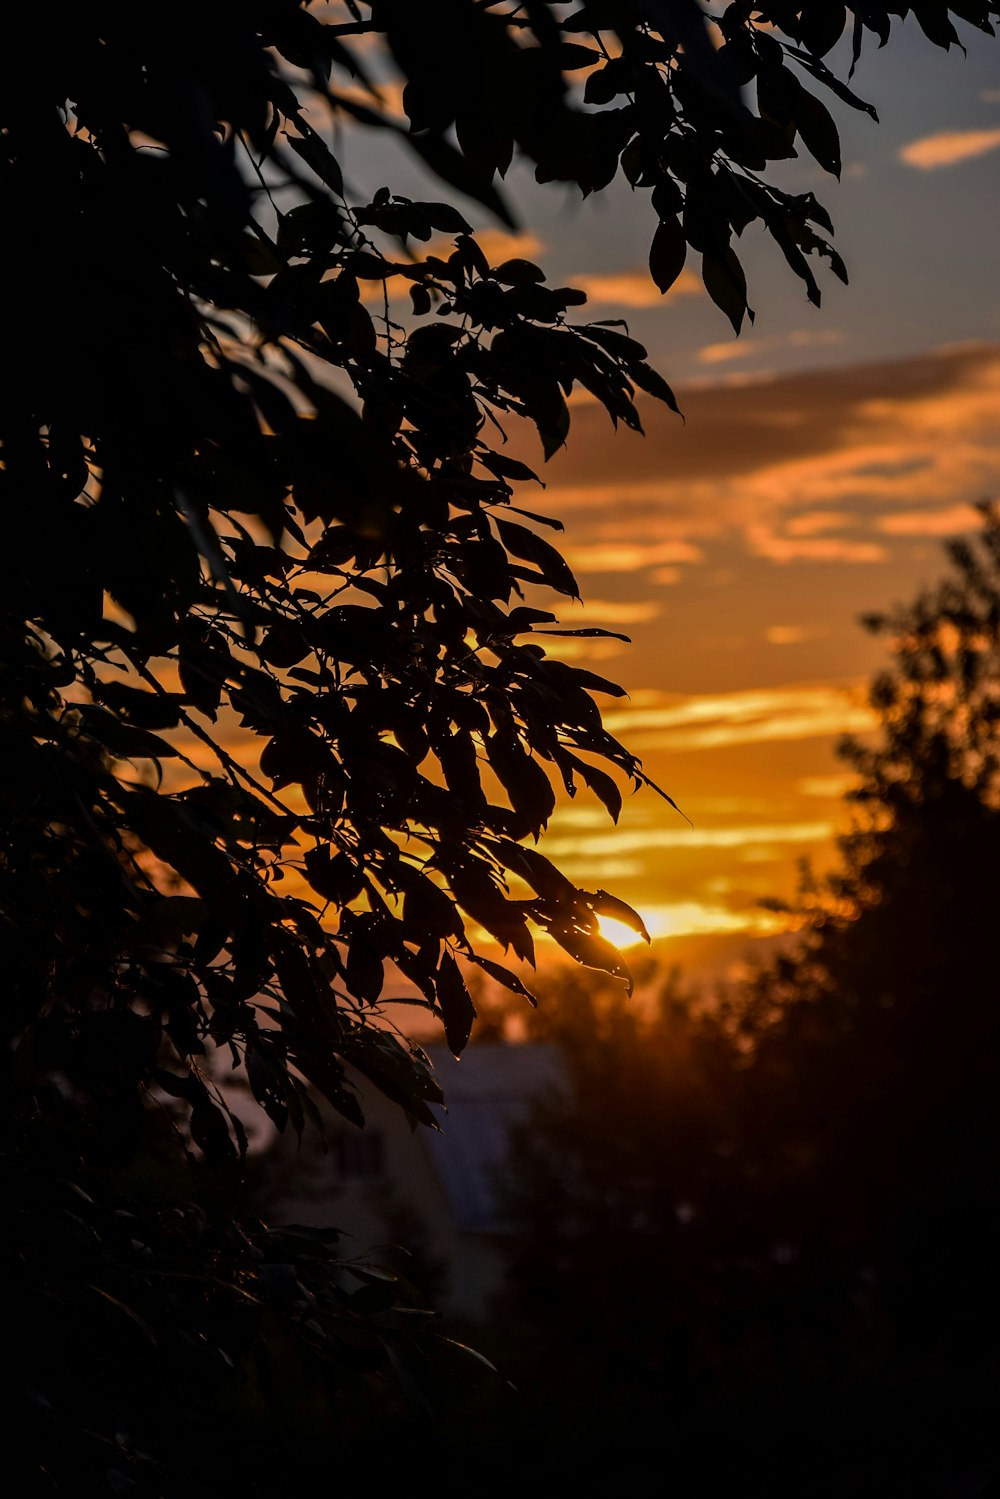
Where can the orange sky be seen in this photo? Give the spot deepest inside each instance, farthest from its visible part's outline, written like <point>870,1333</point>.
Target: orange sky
<point>825,456</point>
<point>738,550</point>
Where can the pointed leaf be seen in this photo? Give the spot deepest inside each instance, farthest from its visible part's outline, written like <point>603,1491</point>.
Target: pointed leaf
<point>726,284</point>
<point>610,905</point>
<point>457,1009</point>
<point>667,253</point>
<point>550,563</point>
<point>502,975</point>
<point>592,950</point>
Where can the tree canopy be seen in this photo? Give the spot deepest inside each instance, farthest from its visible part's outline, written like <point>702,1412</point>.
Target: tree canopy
<point>276,707</point>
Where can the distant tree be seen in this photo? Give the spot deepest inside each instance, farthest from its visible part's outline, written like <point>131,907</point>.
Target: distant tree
<point>611,1185</point>
<point>258,535</point>
<point>890,1004</point>
<point>786,1203</point>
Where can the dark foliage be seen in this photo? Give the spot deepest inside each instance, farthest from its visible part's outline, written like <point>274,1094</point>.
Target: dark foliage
<point>778,1220</point>
<point>895,1016</point>
<point>259,538</point>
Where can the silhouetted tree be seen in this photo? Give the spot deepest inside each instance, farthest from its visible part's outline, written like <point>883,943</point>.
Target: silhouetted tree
<point>259,536</point>
<point>788,1203</point>
<point>611,1184</point>
<point>889,1006</point>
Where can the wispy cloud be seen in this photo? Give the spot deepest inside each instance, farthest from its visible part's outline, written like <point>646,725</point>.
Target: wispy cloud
<point>616,614</point>
<point>634,288</point>
<point>499,245</point>
<point>754,716</point>
<point>587,847</point>
<point>829,787</point>
<point>764,542</point>
<point>949,521</point>
<point>845,466</point>
<point>629,557</point>
<point>948,147</point>
<point>788,634</point>
<point>690,919</point>
<point>813,338</point>
<point>800,338</point>
<point>564,649</point>
<point>814,522</point>
<point>610,612</point>
<point>869,453</point>
<point>723,353</point>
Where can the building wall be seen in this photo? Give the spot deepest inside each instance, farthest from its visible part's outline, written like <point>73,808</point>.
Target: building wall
<point>434,1192</point>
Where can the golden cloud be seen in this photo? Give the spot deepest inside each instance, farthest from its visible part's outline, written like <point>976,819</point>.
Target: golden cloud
<point>763,542</point>
<point>634,288</point>
<point>722,353</point>
<point>611,612</point>
<point>753,716</point>
<point>810,338</point>
<point>832,787</point>
<point>950,521</point>
<point>499,245</point>
<point>587,650</point>
<point>948,147</point>
<point>629,557</point>
<point>686,918</point>
<point>588,847</point>
<point>816,521</point>
<point>374,293</point>
<point>574,816</point>
<point>692,918</point>
<point>787,634</point>
<point>801,338</point>
<point>784,459</point>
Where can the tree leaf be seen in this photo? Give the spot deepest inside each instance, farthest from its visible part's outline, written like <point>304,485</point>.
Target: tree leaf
<point>456,1004</point>
<point>502,975</point>
<point>726,284</point>
<point>533,548</point>
<point>458,170</point>
<point>610,905</point>
<point>667,253</point>
<point>592,950</point>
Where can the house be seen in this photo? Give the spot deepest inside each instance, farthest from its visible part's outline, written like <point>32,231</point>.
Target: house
<point>436,1192</point>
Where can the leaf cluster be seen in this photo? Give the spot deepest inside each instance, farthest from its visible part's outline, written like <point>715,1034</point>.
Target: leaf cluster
<point>690,109</point>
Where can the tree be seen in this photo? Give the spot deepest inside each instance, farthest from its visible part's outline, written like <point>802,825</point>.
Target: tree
<point>889,1002</point>
<point>779,1213</point>
<point>260,537</point>
<point>614,1225</point>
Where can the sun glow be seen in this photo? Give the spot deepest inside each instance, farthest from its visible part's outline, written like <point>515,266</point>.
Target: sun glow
<point>694,919</point>
<point>617,933</point>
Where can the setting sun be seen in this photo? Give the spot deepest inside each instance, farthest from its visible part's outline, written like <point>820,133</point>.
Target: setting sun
<point>618,933</point>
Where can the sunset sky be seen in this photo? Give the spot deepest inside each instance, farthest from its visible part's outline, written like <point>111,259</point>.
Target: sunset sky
<point>824,456</point>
